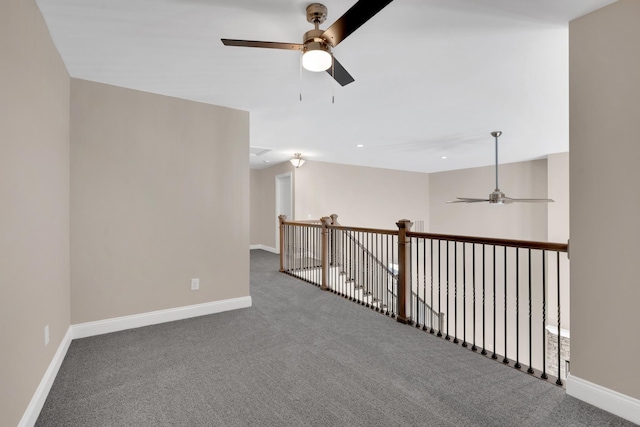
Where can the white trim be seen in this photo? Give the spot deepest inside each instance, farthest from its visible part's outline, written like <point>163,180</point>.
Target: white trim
<point>565,333</point>
<point>106,326</point>
<point>264,248</point>
<point>30,416</point>
<point>604,398</point>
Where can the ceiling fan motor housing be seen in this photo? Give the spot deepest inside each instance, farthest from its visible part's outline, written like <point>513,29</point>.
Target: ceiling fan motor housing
<point>316,12</point>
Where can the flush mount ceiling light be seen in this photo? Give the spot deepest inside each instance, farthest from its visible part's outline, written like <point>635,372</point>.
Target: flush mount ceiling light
<point>297,160</point>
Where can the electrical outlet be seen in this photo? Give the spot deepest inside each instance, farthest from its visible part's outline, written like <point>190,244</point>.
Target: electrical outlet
<point>195,284</point>
<point>46,335</point>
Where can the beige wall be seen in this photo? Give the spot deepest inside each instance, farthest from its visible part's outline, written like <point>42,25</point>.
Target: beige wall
<point>159,195</point>
<point>263,203</point>
<point>362,196</point>
<point>34,197</point>
<point>526,221</point>
<point>605,201</point>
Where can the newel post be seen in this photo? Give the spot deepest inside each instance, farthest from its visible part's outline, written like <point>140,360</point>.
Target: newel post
<point>334,246</point>
<point>282,219</point>
<point>326,222</point>
<point>404,258</point>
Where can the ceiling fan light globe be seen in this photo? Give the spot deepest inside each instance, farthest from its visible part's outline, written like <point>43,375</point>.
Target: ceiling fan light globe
<point>316,59</point>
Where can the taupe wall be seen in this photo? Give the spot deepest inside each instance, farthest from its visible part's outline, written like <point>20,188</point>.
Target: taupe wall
<point>362,196</point>
<point>34,200</point>
<point>605,201</point>
<point>526,221</point>
<point>159,195</point>
<point>263,203</point>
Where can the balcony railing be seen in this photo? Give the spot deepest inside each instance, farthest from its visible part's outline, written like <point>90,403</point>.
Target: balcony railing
<point>490,296</point>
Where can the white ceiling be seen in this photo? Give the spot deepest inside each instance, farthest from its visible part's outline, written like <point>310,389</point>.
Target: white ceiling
<point>432,77</point>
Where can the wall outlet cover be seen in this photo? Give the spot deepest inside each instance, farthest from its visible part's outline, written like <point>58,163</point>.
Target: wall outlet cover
<point>195,284</point>
<point>46,335</point>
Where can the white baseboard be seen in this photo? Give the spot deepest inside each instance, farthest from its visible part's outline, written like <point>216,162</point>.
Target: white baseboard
<point>265,248</point>
<point>30,416</point>
<point>604,398</point>
<point>106,326</point>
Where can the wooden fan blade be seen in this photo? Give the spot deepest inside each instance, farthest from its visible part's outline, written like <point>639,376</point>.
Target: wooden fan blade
<point>353,18</point>
<point>467,200</point>
<point>339,73</point>
<point>268,45</point>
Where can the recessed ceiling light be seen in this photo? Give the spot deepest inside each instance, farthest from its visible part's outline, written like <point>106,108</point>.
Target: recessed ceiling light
<point>265,161</point>
<point>360,145</point>
<point>444,157</point>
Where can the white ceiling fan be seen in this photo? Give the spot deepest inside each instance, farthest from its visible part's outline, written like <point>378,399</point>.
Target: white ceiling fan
<point>497,197</point>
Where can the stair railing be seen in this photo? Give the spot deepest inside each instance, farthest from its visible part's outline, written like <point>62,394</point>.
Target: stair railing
<point>493,293</point>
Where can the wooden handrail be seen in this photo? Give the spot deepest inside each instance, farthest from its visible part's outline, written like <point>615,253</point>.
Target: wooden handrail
<point>528,244</point>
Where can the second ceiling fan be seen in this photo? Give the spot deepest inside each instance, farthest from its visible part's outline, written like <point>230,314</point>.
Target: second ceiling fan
<point>317,44</point>
<point>497,196</point>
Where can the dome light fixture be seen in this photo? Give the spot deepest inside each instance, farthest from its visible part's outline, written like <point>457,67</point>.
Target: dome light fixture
<point>297,160</point>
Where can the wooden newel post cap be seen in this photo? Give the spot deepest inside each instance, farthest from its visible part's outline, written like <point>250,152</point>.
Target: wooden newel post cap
<point>326,221</point>
<point>404,223</point>
<point>334,219</point>
<point>282,218</point>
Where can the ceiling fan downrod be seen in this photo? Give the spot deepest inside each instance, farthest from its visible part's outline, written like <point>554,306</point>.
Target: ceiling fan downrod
<point>496,134</point>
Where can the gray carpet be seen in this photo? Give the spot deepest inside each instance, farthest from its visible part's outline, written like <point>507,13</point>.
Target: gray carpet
<point>298,357</point>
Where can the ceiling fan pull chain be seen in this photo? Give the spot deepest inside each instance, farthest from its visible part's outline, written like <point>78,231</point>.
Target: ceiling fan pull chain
<point>300,78</point>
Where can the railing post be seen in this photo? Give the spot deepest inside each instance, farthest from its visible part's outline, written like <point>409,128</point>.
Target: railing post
<point>334,247</point>
<point>404,260</point>
<point>282,219</point>
<point>326,222</point>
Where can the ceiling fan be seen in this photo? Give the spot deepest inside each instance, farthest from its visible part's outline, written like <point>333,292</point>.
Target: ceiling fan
<point>317,44</point>
<point>497,197</point>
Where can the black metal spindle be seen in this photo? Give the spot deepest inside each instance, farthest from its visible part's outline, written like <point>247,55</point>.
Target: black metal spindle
<point>559,380</point>
<point>439,287</point>
<point>494,355</point>
<point>431,330</point>
<point>455,292</point>
<point>484,341</point>
<point>530,370</point>
<point>447,337</point>
<point>544,315</point>
<point>464,294</point>
<point>505,360</point>
<point>517,365</point>
<point>473,255</point>
<point>424,283</point>
<point>417,313</point>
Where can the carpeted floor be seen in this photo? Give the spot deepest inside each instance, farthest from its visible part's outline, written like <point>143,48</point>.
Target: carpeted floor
<point>298,357</point>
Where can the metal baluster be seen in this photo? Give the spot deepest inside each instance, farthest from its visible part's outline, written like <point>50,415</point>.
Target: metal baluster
<point>439,287</point>
<point>494,355</point>
<point>544,315</point>
<point>417,246</point>
<point>447,337</point>
<point>473,255</point>
<point>505,360</point>
<point>558,381</point>
<point>394,281</point>
<point>386,276</point>
<point>424,284</point>
<point>517,365</point>
<point>455,292</point>
<point>484,341</point>
<point>464,294</point>
<point>431,330</point>
<point>530,370</point>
